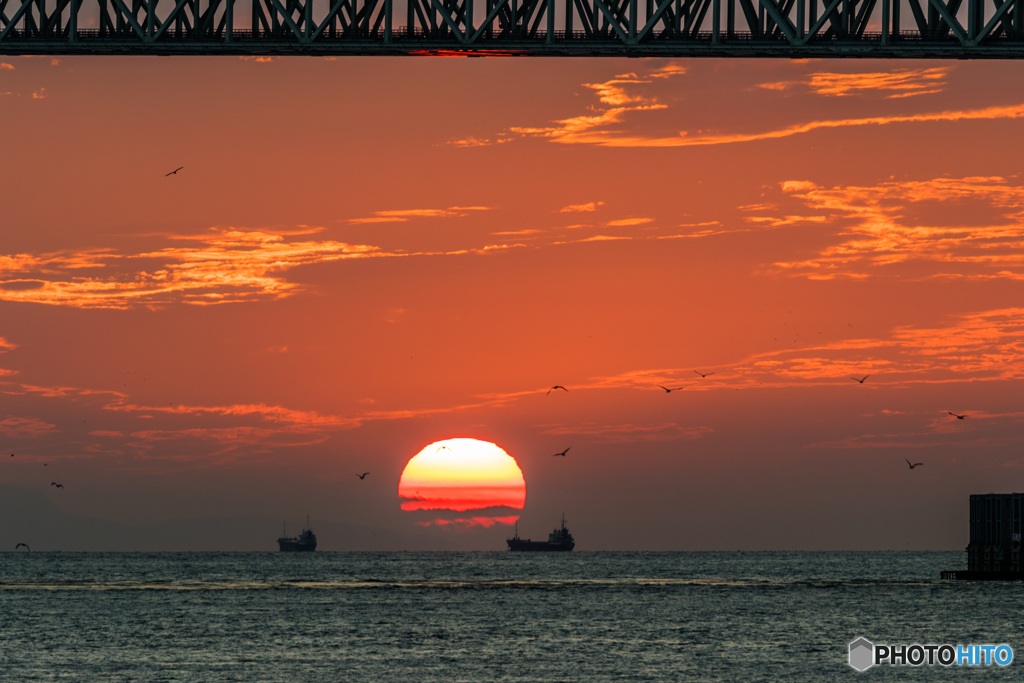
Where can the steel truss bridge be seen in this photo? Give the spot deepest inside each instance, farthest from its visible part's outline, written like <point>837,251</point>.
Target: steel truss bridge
<point>951,29</point>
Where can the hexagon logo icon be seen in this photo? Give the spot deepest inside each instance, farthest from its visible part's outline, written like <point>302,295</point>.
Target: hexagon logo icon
<point>862,654</point>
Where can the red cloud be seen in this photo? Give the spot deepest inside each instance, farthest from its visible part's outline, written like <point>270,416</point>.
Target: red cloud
<point>25,427</point>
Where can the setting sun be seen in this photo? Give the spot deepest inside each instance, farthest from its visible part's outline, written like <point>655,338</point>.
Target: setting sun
<point>460,475</point>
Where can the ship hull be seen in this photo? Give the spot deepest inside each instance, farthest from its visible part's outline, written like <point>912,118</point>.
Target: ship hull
<point>538,546</point>
<point>289,546</point>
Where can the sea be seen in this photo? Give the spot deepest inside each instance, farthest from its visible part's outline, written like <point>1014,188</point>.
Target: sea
<point>491,616</point>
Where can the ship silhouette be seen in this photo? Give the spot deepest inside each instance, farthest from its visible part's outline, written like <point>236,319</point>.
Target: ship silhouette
<point>303,543</point>
<point>558,540</point>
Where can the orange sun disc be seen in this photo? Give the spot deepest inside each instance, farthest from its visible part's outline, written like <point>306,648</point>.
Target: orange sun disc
<point>460,475</point>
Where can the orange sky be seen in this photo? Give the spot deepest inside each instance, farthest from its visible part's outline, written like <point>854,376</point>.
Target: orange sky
<point>362,256</point>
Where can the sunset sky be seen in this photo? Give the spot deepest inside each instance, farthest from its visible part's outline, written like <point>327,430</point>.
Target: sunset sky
<point>364,256</point>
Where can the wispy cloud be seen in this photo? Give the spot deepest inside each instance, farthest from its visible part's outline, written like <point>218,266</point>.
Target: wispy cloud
<point>942,431</point>
<point>621,96</point>
<point>583,129</point>
<point>613,139</point>
<point>308,419</point>
<point>519,232</point>
<point>597,238</point>
<point>589,206</point>
<point>905,82</point>
<point>402,215</point>
<point>6,346</point>
<point>668,71</point>
<point>223,266</point>
<point>628,221</point>
<point>25,427</point>
<point>975,347</point>
<point>481,142</point>
<point>884,225</point>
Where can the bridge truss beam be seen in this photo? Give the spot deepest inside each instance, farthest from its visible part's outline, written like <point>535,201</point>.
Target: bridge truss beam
<point>949,29</point>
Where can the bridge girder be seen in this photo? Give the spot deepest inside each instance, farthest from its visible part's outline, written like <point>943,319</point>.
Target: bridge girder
<point>963,29</point>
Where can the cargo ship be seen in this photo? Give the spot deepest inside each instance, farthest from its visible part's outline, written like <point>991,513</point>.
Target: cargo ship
<point>303,543</point>
<point>559,539</point>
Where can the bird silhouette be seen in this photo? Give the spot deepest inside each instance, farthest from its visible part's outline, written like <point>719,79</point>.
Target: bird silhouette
<point>175,171</point>
<point>914,465</point>
<point>562,453</point>
<point>363,475</point>
<point>53,483</point>
<point>860,380</point>
<point>959,417</point>
<point>557,386</point>
<point>23,544</point>
<point>445,448</point>
<point>703,374</point>
<point>667,390</point>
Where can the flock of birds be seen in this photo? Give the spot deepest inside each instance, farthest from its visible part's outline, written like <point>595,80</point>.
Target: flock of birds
<point>562,454</point>
<point>668,390</point>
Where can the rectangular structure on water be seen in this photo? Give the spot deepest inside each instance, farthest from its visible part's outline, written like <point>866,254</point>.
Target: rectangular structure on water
<point>994,551</point>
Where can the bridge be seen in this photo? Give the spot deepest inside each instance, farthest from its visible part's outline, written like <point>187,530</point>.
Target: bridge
<point>955,29</point>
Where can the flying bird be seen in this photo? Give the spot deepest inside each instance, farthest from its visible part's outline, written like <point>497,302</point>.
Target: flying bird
<point>860,380</point>
<point>175,171</point>
<point>959,417</point>
<point>914,465</point>
<point>23,544</point>
<point>562,453</point>
<point>557,386</point>
<point>444,447</point>
<point>363,475</point>
<point>704,375</point>
<point>667,390</point>
<point>53,483</point>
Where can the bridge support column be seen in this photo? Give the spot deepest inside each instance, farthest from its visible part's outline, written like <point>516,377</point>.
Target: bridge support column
<point>716,21</point>
<point>885,21</point>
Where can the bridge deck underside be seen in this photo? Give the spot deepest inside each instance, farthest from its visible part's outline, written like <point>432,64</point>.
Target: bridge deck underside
<point>621,28</point>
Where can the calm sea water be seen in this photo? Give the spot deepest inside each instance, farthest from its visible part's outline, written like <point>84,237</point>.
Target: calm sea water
<point>489,616</point>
